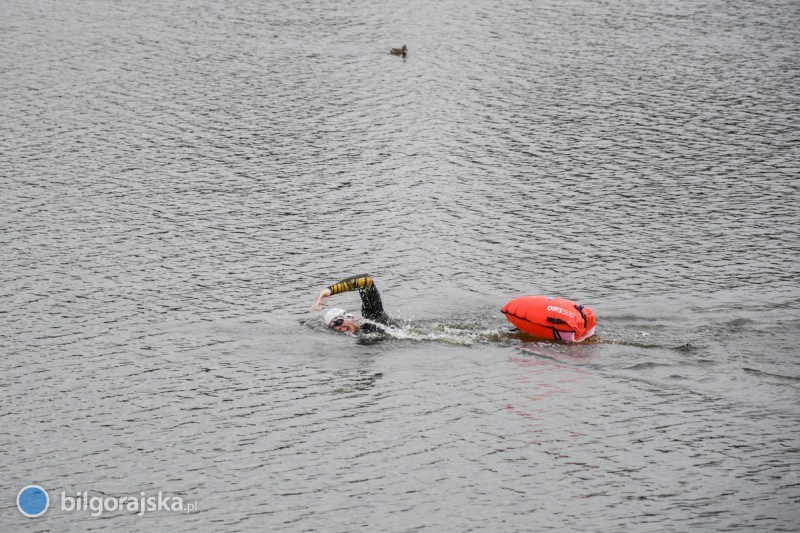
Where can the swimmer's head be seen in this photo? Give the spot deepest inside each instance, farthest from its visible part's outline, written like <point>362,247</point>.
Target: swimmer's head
<point>341,321</point>
<point>333,314</point>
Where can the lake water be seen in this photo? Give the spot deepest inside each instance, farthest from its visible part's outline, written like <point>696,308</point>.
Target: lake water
<point>179,180</point>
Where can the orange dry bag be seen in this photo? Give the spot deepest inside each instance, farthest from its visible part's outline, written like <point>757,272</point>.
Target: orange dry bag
<point>551,318</point>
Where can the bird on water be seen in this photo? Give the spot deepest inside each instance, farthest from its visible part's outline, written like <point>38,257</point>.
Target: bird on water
<point>399,51</point>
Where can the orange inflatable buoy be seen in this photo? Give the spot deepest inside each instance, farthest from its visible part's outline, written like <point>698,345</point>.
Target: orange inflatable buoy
<point>551,318</point>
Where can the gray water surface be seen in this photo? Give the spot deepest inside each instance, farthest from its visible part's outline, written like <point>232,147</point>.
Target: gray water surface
<point>179,180</point>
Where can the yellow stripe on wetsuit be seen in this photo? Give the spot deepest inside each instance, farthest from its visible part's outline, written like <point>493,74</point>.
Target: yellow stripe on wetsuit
<point>350,284</point>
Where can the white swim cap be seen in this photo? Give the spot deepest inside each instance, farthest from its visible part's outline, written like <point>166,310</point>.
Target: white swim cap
<point>332,314</point>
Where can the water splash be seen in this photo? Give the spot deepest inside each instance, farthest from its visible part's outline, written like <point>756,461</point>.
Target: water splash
<point>457,334</point>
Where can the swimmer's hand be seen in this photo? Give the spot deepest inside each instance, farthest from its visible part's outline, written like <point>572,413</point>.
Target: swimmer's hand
<point>322,298</point>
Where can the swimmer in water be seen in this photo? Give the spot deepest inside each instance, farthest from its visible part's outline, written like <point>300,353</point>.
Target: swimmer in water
<point>375,319</point>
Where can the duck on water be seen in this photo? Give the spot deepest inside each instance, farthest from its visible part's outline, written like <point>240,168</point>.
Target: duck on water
<point>399,51</point>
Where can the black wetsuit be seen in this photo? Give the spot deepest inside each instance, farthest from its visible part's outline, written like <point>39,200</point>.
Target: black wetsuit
<point>371,305</point>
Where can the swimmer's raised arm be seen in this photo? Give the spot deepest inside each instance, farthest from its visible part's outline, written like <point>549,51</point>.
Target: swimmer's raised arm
<point>372,307</point>
<point>322,299</point>
<point>358,282</point>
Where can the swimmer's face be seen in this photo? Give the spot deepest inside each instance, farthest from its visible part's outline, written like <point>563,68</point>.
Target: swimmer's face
<point>348,325</point>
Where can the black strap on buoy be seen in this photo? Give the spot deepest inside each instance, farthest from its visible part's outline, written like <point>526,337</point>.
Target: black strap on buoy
<point>580,310</point>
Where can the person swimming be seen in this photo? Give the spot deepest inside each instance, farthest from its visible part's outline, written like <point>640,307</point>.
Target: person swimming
<point>375,319</point>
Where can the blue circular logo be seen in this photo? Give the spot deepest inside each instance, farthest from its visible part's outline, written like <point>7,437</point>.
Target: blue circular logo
<point>33,501</point>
